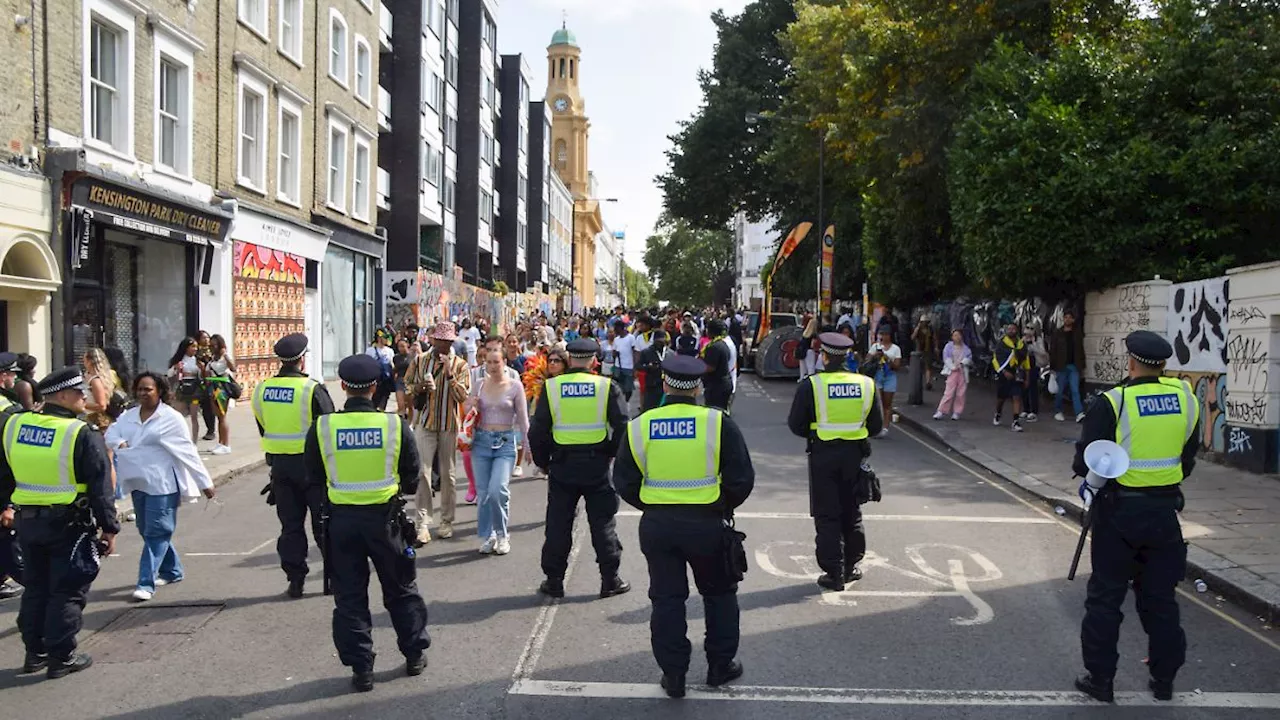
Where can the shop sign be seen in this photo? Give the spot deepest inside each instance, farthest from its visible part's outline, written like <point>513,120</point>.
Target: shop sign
<point>81,237</point>
<point>136,211</point>
<point>266,231</point>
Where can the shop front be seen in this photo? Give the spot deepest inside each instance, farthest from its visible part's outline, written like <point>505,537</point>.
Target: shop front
<point>351,293</point>
<point>29,271</point>
<point>275,278</point>
<point>138,259</point>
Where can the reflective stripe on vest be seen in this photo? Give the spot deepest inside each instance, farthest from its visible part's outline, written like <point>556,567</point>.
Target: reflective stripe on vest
<point>842,402</point>
<point>282,405</point>
<point>687,441</point>
<point>579,408</point>
<point>360,452</point>
<point>1165,415</point>
<point>38,448</point>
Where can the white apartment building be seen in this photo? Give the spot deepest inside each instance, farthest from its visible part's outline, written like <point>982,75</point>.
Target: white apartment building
<point>755,243</point>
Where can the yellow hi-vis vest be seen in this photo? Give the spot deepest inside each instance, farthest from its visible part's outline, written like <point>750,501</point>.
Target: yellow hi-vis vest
<point>361,452</point>
<point>1153,423</point>
<point>282,406</point>
<point>5,403</point>
<point>677,448</point>
<point>38,448</point>
<point>842,402</point>
<point>579,405</point>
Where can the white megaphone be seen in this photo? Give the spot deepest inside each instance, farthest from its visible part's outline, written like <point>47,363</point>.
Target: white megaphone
<point>1106,461</point>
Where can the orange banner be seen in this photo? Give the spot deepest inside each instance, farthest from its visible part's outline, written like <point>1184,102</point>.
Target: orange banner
<point>794,238</point>
<point>828,256</point>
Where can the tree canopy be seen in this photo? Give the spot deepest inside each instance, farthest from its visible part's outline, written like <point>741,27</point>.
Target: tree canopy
<point>690,265</point>
<point>639,290</point>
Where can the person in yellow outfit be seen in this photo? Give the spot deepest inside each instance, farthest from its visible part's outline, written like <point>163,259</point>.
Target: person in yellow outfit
<point>687,468</point>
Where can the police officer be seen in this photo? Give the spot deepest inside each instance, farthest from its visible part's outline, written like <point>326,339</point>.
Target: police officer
<point>576,427</point>
<point>10,558</point>
<point>1136,535</point>
<point>9,401</point>
<point>54,469</point>
<point>687,468</point>
<point>836,411</point>
<point>367,459</point>
<point>285,406</point>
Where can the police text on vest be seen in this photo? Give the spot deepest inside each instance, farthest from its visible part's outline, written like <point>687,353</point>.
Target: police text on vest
<point>361,439</point>
<point>673,429</point>
<point>38,436</point>
<point>1159,405</point>
<point>578,390</point>
<point>277,395</point>
<point>842,391</point>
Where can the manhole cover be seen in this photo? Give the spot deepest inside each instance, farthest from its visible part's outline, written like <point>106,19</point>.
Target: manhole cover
<point>145,633</point>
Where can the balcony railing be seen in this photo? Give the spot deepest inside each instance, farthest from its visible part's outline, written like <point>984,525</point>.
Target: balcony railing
<point>384,109</point>
<point>384,189</point>
<point>385,22</point>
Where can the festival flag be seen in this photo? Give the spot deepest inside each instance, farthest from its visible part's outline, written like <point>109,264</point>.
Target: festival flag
<point>828,255</point>
<point>797,234</point>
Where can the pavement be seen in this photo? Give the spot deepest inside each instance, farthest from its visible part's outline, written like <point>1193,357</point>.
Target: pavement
<point>1232,517</point>
<point>964,613</point>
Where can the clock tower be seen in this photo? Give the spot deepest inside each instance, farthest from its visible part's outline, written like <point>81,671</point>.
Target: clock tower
<point>569,127</point>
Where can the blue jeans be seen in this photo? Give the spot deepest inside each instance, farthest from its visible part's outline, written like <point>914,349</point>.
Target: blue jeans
<point>1068,377</point>
<point>157,516</point>
<point>493,456</point>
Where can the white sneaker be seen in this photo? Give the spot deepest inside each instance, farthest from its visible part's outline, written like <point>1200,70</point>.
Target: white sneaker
<point>1017,426</point>
<point>938,415</point>
<point>884,433</point>
<point>424,535</point>
<point>996,420</point>
<point>1059,417</point>
<point>486,547</point>
<point>955,416</point>
<point>142,595</point>
<point>503,547</point>
<point>161,582</point>
<point>1032,417</point>
<point>518,471</point>
<point>220,450</point>
<point>1080,417</point>
<point>445,531</point>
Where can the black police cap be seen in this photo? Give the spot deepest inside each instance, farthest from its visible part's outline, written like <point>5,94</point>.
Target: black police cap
<point>835,343</point>
<point>359,372</point>
<point>683,372</point>
<point>65,379</point>
<point>8,362</point>
<point>291,347</point>
<point>583,348</point>
<point>1148,348</point>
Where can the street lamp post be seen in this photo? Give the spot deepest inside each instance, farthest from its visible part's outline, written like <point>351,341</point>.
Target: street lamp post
<point>573,245</point>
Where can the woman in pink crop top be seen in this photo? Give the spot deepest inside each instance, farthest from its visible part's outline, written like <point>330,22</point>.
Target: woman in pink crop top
<point>504,421</point>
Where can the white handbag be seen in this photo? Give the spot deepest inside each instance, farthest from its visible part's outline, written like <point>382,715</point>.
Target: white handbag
<point>1052,384</point>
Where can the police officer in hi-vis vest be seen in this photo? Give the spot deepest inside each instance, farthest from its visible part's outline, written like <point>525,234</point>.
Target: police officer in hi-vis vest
<point>367,459</point>
<point>1136,535</point>
<point>836,411</point>
<point>285,406</point>
<point>9,402</point>
<point>576,427</point>
<point>10,565</point>
<point>54,469</point>
<point>687,468</point>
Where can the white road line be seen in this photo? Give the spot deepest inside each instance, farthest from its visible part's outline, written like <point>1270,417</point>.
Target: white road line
<point>842,696</point>
<point>532,651</point>
<point>898,518</point>
<point>262,545</point>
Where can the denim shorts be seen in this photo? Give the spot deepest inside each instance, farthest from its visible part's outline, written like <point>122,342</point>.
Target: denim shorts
<point>887,381</point>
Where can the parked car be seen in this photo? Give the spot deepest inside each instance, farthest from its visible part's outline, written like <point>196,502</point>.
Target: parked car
<point>779,320</point>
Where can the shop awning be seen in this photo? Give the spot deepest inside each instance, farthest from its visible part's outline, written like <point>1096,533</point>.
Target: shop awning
<point>128,204</point>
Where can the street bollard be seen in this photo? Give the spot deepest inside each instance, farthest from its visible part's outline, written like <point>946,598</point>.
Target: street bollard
<point>915,379</point>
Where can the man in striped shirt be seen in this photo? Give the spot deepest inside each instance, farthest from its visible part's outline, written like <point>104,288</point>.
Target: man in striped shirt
<point>445,379</point>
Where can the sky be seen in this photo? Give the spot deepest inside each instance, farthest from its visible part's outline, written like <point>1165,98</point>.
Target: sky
<point>640,62</point>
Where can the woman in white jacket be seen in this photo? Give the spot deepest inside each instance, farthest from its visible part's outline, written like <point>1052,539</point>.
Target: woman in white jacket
<point>157,462</point>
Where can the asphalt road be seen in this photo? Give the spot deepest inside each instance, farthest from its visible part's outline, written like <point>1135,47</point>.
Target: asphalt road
<point>964,613</point>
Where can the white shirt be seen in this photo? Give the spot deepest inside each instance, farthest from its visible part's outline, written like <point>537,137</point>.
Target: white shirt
<point>159,458</point>
<point>625,346</point>
<point>893,352</point>
<point>733,361</point>
<point>471,336</point>
<point>640,343</point>
<point>847,319</point>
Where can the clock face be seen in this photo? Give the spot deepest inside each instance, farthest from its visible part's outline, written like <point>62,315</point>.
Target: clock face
<point>561,104</point>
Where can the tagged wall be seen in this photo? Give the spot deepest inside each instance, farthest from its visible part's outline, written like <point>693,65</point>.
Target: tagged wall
<point>1111,315</point>
<point>1252,361</point>
<point>1198,325</point>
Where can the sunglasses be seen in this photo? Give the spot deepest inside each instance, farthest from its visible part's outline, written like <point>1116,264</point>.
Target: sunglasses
<point>555,360</point>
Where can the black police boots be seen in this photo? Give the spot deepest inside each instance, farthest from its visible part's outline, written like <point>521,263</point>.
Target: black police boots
<point>674,685</point>
<point>718,675</point>
<point>552,587</point>
<point>614,586</point>
<point>62,668</point>
<point>1096,688</point>
<point>35,662</point>
<point>415,666</point>
<point>831,583</point>
<point>362,681</point>
<point>295,588</point>
<point>1162,689</point>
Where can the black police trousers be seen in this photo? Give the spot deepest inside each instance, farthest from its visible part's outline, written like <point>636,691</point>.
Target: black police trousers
<point>10,555</point>
<point>670,542</point>
<point>294,499</point>
<point>841,541</point>
<point>719,394</point>
<point>50,614</point>
<point>568,482</point>
<point>360,536</point>
<point>1135,539</point>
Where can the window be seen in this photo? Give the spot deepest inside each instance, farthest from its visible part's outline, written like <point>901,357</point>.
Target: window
<point>486,206</point>
<point>571,64</point>
<point>451,68</point>
<point>109,95</point>
<point>486,147</point>
<point>437,25</point>
<point>337,47</point>
<point>360,181</point>
<point>291,29</point>
<point>562,155</point>
<point>561,67</point>
<point>450,132</point>
<point>173,115</point>
<point>290,149</point>
<point>453,11</point>
<point>364,66</point>
<point>432,165</point>
<point>522,235</point>
<point>450,189</point>
<point>489,32</point>
<point>253,13</point>
<point>434,90</point>
<point>252,145</point>
<point>522,184</point>
<point>490,93</point>
<point>336,192</point>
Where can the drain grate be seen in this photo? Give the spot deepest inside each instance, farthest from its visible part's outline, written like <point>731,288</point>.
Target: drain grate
<point>146,633</point>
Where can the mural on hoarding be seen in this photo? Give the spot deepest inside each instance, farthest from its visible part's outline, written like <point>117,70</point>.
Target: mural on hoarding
<point>269,301</point>
<point>1211,391</point>
<point>1198,324</point>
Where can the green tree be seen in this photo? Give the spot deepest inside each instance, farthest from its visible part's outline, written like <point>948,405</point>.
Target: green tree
<point>639,290</point>
<point>690,265</point>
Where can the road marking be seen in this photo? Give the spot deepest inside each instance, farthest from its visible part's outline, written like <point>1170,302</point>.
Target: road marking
<point>532,651</point>
<point>896,518</point>
<point>1075,531</point>
<point>230,554</point>
<point>843,696</point>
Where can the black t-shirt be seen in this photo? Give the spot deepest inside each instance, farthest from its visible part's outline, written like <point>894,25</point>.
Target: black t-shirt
<point>1069,336</point>
<point>686,345</point>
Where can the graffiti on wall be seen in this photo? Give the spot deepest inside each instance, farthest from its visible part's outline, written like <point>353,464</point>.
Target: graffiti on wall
<point>268,302</point>
<point>1211,391</point>
<point>1198,322</point>
<point>1248,359</point>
